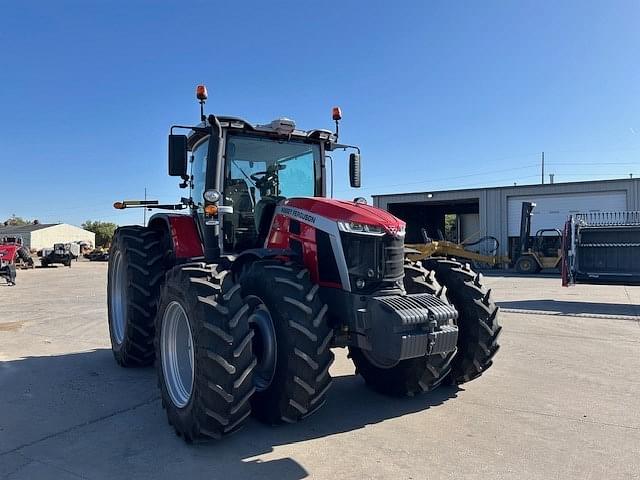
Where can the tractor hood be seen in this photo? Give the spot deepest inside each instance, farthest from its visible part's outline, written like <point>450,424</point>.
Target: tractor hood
<point>344,211</point>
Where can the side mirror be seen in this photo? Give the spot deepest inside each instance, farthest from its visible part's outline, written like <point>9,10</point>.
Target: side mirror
<point>354,170</point>
<point>177,155</point>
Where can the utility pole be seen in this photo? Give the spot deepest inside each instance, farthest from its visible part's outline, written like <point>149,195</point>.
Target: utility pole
<point>543,168</point>
<point>144,209</point>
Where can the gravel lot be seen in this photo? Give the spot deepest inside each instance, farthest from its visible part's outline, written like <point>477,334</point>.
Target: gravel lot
<point>562,400</point>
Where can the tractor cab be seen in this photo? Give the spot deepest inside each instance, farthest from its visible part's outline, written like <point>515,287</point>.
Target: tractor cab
<point>11,240</point>
<point>238,172</point>
<point>257,167</point>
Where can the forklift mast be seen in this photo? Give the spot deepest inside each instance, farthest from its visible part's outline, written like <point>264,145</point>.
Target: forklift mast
<point>525,226</point>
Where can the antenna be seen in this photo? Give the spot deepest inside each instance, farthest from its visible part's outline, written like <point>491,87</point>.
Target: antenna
<point>144,210</point>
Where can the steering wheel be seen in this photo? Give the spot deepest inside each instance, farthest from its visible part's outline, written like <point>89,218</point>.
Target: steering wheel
<point>258,176</point>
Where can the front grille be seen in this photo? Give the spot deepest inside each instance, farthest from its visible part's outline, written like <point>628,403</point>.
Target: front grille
<point>376,260</point>
<point>393,258</point>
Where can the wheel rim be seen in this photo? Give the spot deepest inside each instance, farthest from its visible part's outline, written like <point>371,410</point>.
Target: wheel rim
<point>118,298</point>
<point>176,351</point>
<point>526,265</point>
<point>264,343</point>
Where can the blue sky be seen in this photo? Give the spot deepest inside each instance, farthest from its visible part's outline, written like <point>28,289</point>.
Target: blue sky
<point>438,94</point>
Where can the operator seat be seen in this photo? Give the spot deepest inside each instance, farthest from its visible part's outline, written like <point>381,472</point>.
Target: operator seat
<point>239,226</point>
<point>263,214</point>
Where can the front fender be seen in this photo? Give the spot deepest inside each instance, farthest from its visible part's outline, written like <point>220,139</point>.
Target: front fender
<point>180,234</point>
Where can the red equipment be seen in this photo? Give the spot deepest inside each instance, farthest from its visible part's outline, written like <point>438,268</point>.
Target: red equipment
<point>8,254</point>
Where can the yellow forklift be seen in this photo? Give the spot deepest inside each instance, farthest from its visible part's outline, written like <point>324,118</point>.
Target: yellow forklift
<point>542,251</point>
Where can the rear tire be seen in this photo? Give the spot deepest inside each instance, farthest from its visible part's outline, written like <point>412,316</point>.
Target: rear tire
<point>478,327</point>
<point>216,400</point>
<point>135,273</point>
<point>415,375</point>
<point>303,337</point>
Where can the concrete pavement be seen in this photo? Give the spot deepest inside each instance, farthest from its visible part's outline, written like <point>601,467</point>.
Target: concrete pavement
<point>561,401</point>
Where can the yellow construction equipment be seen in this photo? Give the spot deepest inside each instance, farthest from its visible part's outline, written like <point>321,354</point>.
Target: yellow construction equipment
<point>444,248</point>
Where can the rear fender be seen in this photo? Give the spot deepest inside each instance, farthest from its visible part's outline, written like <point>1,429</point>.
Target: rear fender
<point>180,234</point>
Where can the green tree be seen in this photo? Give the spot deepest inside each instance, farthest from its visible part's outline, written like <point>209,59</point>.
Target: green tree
<point>104,231</point>
<point>451,227</point>
<point>16,221</point>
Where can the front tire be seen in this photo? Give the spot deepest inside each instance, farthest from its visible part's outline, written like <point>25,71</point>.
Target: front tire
<point>414,375</point>
<point>204,358</point>
<point>526,264</point>
<point>301,377</point>
<point>135,273</point>
<point>478,327</point>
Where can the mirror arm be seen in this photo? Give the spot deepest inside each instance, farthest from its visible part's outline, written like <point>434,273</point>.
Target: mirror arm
<point>187,127</point>
<point>342,146</point>
<point>149,204</point>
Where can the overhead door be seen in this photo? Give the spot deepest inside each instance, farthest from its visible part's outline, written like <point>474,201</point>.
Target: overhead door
<point>553,210</point>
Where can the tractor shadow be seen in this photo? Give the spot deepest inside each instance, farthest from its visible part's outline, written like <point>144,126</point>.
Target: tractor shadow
<point>547,273</point>
<point>83,411</point>
<point>564,307</point>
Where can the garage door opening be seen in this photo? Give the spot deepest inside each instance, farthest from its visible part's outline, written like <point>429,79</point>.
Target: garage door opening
<point>457,221</point>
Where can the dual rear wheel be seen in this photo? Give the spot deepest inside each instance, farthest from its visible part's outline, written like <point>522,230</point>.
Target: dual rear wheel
<point>478,331</point>
<point>223,353</point>
<point>223,347</point>
<point>415,375</point>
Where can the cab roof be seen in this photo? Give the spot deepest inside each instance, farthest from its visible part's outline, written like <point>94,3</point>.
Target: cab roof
<point>278,128</point>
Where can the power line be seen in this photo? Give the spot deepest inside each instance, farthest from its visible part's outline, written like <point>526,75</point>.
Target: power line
<point>479,184</point>
<point>592,163</point>
<point>441,179</point>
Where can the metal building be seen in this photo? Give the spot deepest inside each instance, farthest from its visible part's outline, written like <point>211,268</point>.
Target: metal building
<point>495,211</point>
<point>45,235</point>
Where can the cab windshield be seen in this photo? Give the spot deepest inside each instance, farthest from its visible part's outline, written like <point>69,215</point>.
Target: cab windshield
<point>260,172</point>
<point>272,167</point>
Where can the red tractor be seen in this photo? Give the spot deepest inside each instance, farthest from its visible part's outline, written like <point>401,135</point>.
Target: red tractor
<point>240,301</point>
<point>13,255</point>
<point>8,254</point>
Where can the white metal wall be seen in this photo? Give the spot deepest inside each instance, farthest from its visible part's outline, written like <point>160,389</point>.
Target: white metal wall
<point>552,210</point>
<point>63,233</point>
<point>493,202</point>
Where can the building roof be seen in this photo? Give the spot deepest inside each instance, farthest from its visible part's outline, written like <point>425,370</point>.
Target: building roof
<point>514,187</point>
<point>31,227</point>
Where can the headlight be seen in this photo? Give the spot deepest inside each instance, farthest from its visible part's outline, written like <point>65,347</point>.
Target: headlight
<point>362,228</point>
<point>211,196</point>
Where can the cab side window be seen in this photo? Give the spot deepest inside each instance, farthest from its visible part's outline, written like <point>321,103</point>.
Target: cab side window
<point>199,173</point>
